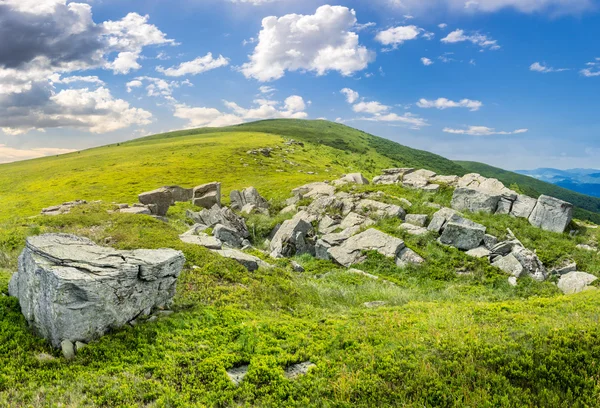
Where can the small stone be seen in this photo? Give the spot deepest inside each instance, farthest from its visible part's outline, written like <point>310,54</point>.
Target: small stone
<point>164,313</point>
<point>512,281</point>
<point>43,357</point>
<point>236,375</point>
<point>479,252</point>
<point>489,241</point>
<point>420,220</point>
<point>297,370</point>
<point>297,267</point>
<point>79,346</point>
<point>68,349</point>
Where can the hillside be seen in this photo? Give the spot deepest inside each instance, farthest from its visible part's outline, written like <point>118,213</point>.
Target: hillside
<point>587,207</point>
<point>451,332</point>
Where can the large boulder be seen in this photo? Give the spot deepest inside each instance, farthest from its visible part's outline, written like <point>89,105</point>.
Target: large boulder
<point>440,219</point>
<point>418,179</point>
<point>69,288</point>
<point>510,265</point>
<point>294,237</point>
<point>379,209</point>
<point>468,199</point>
<point>180,194</point>
<point>523,206</point>
<point>248,196</point>
<point>207,195</point>
<point>353,178</point>
<point>551,214</point>
<point>575,282</point>
<point>351,251</point>
<point>160,199</point>
<point>224,216</point>
<point>530,262</point>
<point>462,233</point>
<point>313,190</point>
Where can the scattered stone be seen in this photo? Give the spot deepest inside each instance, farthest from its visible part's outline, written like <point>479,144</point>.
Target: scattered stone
<point>327,225</point>
<point>381,209</point>
<point>355,220</point>
<point>576,282</point>
<point>413,229</point>
<point>398,171</point>
<point>408,257</point>
<point>489,241</point>
<point>248,196</point>
<point>297,267</point>
<point>293,238</point>
<point>504,206</point>
<point>551,214</point>
<point>237,374</point>
<point>64,208</point>
<point>572,267</point>
<point>433,205</point>
<point>314,190</point>
<point>161,198</point>
<point>224,216</point>
<point>387,179</point>
<point>350,252</point>
<point>510,265</point>
<point>467,199</point>
<point>420,220</point>
<point>479,252</point>
<point>136,210</point>
<point>375,304</point>
<point>68,349</point>
<point>227,236</point>
<point>530,262</point>
<point>296,370</point>
<point>44,357</point>
<point>249,262</point>
<point>451,181</point>
<point>462,233</point>
<point>207,195</point>
<point>503,248</point>
<point>69,288</point>
<point>404,201</point>
<point>512,281</point>
<point>418,179</point>
<point>180,194</point>
<point>587,248</point>
<point>289,209</point>
<point>440,219</point>
<point>431,188</point>
<point>79,346</point>
<point>523,206</point>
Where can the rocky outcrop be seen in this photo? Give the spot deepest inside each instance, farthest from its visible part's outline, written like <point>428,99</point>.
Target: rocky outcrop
<point>523,206</point>
<point>420,220</point>
<point>468,199</point>
<point>294,237</point>
<point>207,195</point>
<point>180,194</point>
<point>351,251</point>
<point>210,218</point>
<point>72,289</point>
<point>440,219</point>
<point>551,214</point>
<point>248,200</point>
<point>462,233</point>
<point>159,200</point>
<point>64,208</point>
<point>392,176</point>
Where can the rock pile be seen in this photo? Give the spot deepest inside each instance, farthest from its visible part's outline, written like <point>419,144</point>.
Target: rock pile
<point>64,208</point>
<point>72,289</point>
<point>248,201</point>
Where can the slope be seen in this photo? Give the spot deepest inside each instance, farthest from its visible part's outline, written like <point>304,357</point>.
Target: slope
<point>587,207</point>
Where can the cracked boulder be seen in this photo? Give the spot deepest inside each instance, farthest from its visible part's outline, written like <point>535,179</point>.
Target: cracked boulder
<point>294,237</point>
<point>207,195</point>
<point>551,214</point>
<point>462,233</point>
<point>71,289</point>
<point>224,216</point>
<point>351,251</point>
<point>246,198</point>
<point>160,200</point>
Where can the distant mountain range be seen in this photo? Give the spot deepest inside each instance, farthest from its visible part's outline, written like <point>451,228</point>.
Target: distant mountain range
<point>585,181</point>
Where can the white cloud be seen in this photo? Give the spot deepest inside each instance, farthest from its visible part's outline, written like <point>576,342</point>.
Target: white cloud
<point>351,95</point>
<point>136,83</point>
<point>125,62</point>
<point>11,154</point>
<point>413,121</point>
<point>318,43</point>
<point>480,40</point>
<point>482,131</point>
<point>398,35</point>
<point>592,70</point>
<point>426,61</point>
<point>69,80</point>
<point>195,67</point>
<point>292,108</point>
<point>267,90</point>
<point>443,103</point>
<point>552,7</point>
<point>157,86</point>
<point>443,26</point>
<point>539,67</point>
<point>373,107</point>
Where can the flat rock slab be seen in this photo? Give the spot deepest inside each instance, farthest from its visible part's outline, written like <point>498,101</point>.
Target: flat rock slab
<point>250,262</point>
<point>203,240</point>
<point>69,288</point>
<point>469,199</point>
<point>350,252</point>
<point>575,282</point>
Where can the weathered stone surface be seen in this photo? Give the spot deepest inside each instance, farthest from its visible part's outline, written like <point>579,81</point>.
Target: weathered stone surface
<point>509,264</point>
<point>530,262</point>
<point>297,370</point>
<point>297,267</point>
<point>289,209</point>
<point>248,196</point>
<point>381,209</point>
<point>431,188</point>
<point>575,282</point>
<point>408,257</point>
<point>563,270</point>
<point>452,181</point>
<point>237,374</point>
<point>72,289</point>
<point>224,216</point>
<point>399,171</point>
<point>64,208</point>
<point>180,194</point>
<point>249,262</point>
<point>202,239</point>
<point>228,236</point>
<point>355,220</point>
<point>462,233</point>
<point>413,229</point>
<point>440,219</point>
<point>293,238</point>
<point>420,220</point>
<point>353,178</point>
<point>387,179</point>
<point>207,195</point>
<point>479,252</point>
<point>350,252</point>
<point>162,198</point>
<point>322,250</point>
<point>136,210</point>
<point>523,206</point>
<point>551,214</point>
<point>503,248</point>
<point>327,225</point>
<point>324,204</point>
<point>314,190</point>
<point>374,304</point>
<point>68,349</point>
<point>512,281</point>
<point>586,247</point>
<point>490,241</point>
<point>338,238</point>
<point>467,199</point>
<point>504,206</point>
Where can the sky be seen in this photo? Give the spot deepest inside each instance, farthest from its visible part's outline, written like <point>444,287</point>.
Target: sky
<point>511,83</point>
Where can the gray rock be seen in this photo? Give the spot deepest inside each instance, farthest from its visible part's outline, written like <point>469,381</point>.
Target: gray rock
<point>180,194</point>
<point>531,263</point>
<point>462,233</point>
<point>79,346</point>
<point>353,178</point>
<point>136,210</point>
<point>440,219</point>
<point>227,236</point>
<point>479,252</point>
<point>327,225</point>
<point>523,206</point>
<point>224,216</point>
<point>420,220</point>
<point>64,208</point>
<point>297,267</point>
<point>162,198</point>
<point>72,289</point>
<point>431,188</point>
<point>399,171</point>
<point>351,251</point>
<point>405,202</point>
<point>408,257</point>
<point>551,214</point>
<point>338,238</point>
<point>512,281</point>
<point>503,248</point>
<point>413,229</point>
<point>576,282</point>
<point>490,241</point>
<point>324,204</point>
<point>322,250</point>
<point>467,199</point>
<point>355,220</point>
<point>314,190</point>
<point>68,349</point>
<point>586,247</point>
<point>289,209</point>
<point>380,209</point>
<point>510,264</point>
<point>563,270</point>
<point>237,374</point>
<point>249,262</point>
<point>207,195</point>
<point>448,180</point>
<point>387,179</point>
<point>247,196</point>
<point>296,370</point>
<point>293,238</point>
<point>504,206</point>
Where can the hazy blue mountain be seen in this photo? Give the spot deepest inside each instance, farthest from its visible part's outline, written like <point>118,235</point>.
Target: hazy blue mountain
<point>586,181</point>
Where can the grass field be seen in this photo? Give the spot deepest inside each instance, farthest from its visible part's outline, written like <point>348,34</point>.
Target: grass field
<point>443,339</point>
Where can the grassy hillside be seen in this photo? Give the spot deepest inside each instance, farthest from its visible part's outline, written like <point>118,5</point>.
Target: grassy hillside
<point>453,332</point>
<point>588,206</point>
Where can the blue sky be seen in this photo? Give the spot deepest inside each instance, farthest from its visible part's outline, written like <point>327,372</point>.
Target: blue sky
<point>512,83</point>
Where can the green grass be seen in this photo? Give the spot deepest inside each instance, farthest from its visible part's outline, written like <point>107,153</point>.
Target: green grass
<point>588,207</point>
<point>443,339</point>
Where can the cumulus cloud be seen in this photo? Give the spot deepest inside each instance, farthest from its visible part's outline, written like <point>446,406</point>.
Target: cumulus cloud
<point>351,95</point>
<point>195,67</point>
<point>426,61</point>
<point>482,131</point>
<point>11,154</point>
<point>157,86</point>
<point>396,36</point>
<point>372,107</point>
<point>592,70</point>
<point>543,68</point>
<point>443,103</point>
<point>56,79</point>
<point>318,43</point>
<point>478,39</point>
<point>552,7</point>
<point>292,108</point>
